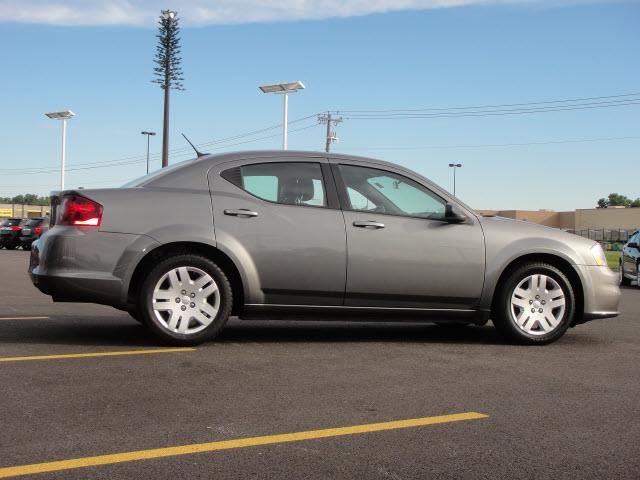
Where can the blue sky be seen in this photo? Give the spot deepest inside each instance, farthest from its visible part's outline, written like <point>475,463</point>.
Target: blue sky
<point>99,64</point>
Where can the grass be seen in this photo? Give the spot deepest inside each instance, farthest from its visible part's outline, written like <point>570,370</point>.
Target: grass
<point>613,259</point>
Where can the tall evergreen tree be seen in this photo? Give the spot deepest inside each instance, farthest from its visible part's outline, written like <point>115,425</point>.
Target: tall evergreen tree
<point>168,71</point>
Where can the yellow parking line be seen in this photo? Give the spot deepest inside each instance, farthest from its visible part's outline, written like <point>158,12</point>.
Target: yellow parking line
<point>23,318</point>
<point>229,444</point>
<point>96,354</point>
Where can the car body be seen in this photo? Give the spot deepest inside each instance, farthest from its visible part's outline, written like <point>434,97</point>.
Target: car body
<point>312,235</point>
<point>630,260</point>
<point>32,229</point>
<point>10,233</point>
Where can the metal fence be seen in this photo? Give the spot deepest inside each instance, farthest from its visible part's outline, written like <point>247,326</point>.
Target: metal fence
<point>605,235</point>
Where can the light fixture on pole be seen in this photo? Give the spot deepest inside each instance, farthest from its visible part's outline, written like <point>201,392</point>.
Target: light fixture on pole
<point>455,166</point>
<point>284,89</point>
<point>148,134</point>
<point>64,116</point>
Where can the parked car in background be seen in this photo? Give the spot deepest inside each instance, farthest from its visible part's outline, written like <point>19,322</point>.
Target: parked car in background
<point>10,233</point>
<point>630,260</point>
<point>32,229</point>
<point>277,235</point>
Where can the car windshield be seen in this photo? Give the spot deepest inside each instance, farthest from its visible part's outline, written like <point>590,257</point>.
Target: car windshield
<point>12,222</point>
<point>34,222</point>
<point>138,182</point>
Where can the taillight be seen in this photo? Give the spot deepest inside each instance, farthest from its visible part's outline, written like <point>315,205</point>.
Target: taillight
<point>38,230</point>
<point>16,228</point>
<point>79,211</point>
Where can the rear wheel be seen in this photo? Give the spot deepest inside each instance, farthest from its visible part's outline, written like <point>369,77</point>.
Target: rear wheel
<point>535,304</point>
<point>185,300</point>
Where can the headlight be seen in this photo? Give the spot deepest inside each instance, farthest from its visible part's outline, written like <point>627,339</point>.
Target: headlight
<point>598,255</point>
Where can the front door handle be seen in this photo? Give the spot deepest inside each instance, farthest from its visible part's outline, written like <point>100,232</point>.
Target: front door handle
<point>368,224</point>
<point>241,212</point>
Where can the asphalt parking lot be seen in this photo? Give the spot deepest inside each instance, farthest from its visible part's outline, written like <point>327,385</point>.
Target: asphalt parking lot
<point>567,410</point>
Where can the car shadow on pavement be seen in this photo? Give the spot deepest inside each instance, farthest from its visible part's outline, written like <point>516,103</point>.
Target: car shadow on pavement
<point>122,331</point>
<point>97,331</point>
<point>301,331</point>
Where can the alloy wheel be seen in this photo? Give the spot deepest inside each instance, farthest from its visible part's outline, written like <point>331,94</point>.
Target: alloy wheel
<point>538,304</point>
<point>186,300</point>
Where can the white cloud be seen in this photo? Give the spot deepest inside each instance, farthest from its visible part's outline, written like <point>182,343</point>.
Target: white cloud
<point>207,12</point>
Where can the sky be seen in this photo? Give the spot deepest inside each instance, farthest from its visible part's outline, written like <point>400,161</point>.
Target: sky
<point>403,58</point>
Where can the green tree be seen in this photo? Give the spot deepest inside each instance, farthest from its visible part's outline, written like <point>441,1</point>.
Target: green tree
<point>635,203</point>
<point>614,200</point>
<point>168,71</point>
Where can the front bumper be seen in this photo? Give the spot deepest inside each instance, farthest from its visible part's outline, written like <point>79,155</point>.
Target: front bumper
<point>601,292</point>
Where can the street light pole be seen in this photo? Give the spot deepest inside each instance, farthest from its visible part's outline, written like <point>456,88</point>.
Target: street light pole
<point>64,116</point>
<point>285,121</point>
<point>455,166</point>
<point>284,89</point>
<point>148,134</point>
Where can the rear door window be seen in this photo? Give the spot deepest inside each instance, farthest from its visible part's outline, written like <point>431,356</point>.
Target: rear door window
<point>287,183</point>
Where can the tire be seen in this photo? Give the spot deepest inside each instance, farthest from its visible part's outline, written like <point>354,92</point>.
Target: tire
<point>10,247</point>
<point>624,281</point>
<point>185,300</point>
<point>26,247</point>
<point>532,286</point>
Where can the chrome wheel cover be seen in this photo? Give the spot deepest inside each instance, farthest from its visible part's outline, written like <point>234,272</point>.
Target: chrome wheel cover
<point>186,300</point>
<point>538,305</point>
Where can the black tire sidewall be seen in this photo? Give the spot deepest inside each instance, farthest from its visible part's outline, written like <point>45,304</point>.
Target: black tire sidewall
<point>504,321</point>
<point>145,303</point>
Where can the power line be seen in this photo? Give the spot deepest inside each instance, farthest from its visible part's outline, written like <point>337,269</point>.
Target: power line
<point>584,99</point>
<point>45,170</point>
<point>494,145</point>
<point>488,113</point>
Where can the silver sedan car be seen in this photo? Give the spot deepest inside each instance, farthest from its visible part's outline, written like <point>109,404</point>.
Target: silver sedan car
<point>278,235</point>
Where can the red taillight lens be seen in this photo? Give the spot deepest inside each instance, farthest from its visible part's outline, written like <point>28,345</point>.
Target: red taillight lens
<point>16,228</point>
<point>38,230</point>
<point>79,211</point>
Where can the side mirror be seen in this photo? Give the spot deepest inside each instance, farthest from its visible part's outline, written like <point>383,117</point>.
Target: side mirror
<point>452,214</point>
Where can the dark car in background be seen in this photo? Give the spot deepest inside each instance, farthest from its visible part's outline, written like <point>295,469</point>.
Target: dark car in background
<point>10,232</point>
<point>31,231</point>
<point>630,260</point>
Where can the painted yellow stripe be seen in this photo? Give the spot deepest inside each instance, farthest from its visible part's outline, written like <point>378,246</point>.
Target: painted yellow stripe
<point>96,354</point>
<point>23,318</point>
<point>229,444</point>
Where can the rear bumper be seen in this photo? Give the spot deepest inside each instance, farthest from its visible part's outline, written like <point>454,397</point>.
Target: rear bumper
<point>601,292</point>
<point>85,265</point>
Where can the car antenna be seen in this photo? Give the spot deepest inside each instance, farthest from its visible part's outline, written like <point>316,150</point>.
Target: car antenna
<point>198,153</point>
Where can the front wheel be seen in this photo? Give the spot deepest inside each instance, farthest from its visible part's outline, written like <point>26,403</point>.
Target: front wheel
<point>535,304</point>
<point>185,299</point>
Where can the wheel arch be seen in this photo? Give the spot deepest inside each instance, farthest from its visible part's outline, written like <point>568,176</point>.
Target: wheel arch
<point>560,263</point>
<point>176,248</point>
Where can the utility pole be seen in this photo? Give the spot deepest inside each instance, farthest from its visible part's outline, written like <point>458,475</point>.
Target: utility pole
<point>331,136</point>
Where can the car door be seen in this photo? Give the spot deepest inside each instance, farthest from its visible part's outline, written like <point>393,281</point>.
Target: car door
<point>401,254</point>
<point>280,220</point>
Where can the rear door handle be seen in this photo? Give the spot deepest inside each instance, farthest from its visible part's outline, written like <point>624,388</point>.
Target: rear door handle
<point>241,212</point>
<point>368,224</point>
